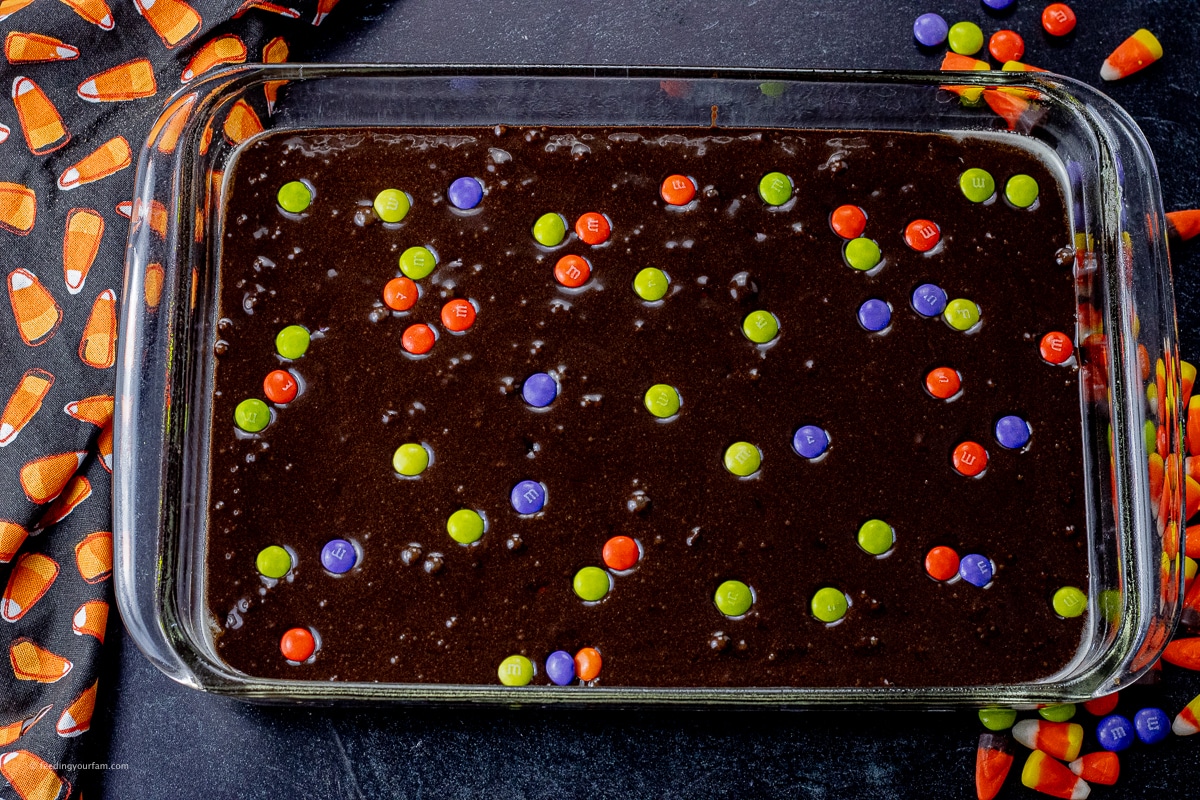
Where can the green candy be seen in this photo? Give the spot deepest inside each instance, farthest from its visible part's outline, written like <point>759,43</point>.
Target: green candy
<point>662,400</point>
<point>862,254</point>
<point>775,188</point>
<point>876,537</point>
<point>733,598</point>
<point>591,584</point>
<point>294,196</point>
<point>1150,436</point>
<point>829,605</point>
<point>772,88</point>
<point>251,415</point>
<point>1059,712</point>
<point>760,327</point>
<point>961,314</point>
<point>550,230</point>
<point>1021,191</point>
<point>743,459</point>
<point>292,342</point>
<point>410,459</point>
<point>465,526</point>
<point>1069,602</point>
<point>392,205</point>
<point>965,38</point>
<point>995,718</point>
<point>417,262</point>
<point>515,671</point>
<point>977,184</point>
<point>651,284</point>
<point>273,562</point>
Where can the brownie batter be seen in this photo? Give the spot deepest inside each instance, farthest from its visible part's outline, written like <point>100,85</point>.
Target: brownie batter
<point>419,607</point>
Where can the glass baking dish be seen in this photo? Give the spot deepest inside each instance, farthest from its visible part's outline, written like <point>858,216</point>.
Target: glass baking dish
<point>1123,287</point>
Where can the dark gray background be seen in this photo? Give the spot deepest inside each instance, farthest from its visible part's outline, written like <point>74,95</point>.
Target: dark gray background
<point>178,743</point>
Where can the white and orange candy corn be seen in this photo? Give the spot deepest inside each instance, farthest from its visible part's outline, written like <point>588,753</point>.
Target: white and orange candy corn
<point>34,308</point>
<point>1187,721</point>
<point>112,156</point>
<point>242,123</point>
<point>12,536</point>
<point>152,285</point>
<point>227,49</point>
<point>1135,53</point>
<point>274,52</point>
<point>10,7</point>
<point>128,81</point>
<point>18,208</point>
<point>98,347</point>
<point>91,619</point>
<point>323,9</point>
<point>97,410</point>
<point>30,579</point>
<point>1102,767</point>
<point>77,717</point>
<point>173,20</point>
<point>31,778</point>
<point>43,479</point>
<point>15,730</point>
<point>104,445</point>
<point>33,663</point>
<point>28,48</point>
<point>40,121</point>
<point>78,489</point>
<point>170,124</point>
<point>81,243</point>
<point>94,11</point>
<point>24,402</point>
<point>93,556</point>
<point>1044,774</point>
<point>1059,739</point>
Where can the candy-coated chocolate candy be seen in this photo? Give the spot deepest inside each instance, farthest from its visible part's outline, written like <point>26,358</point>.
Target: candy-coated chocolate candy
<point>970,459</point>
<point>810,441</point>
<point>998,5</point>
<point>292,342</point>
<point>775,188</point>
<point>1057,712</point>
<point>829,605</point>
<point>298,644</point>
<point>572,271</point>
<point>417,262</point>
<point>1187,721</point>
<point>528,497</point>
<point>995,718</point>
<point>678,190</point>
<point>662,400</point>
<point>458,315</point>
<point>975,569</point>
<point>294,196</point>
<point>410,459</point>
<point>943,383</point>
<point>539,390</point>
<point>587,664</point>
<point>280,387</point>
<point>875,315</point>
<point>941,563</point>
<point>465,193</point>
<point>515,671</point>
<point>1043,774</point>
<point>1101,767</point>
<point>651,284</point>
<point>876,537</point>
<point>1102,706</point>
<point>273,562</point>
<point>993,759</point>
<point>1059,739</point>
<point>593,228</point>
<point>743,459</point>
<point>252,415</point>
<point>930,30</point>
<point>418,339</point>
<point>929,300</point>
<point>1012,432</point>
<point>560,668</point>
<point>1058,19</point>
<point>760,327</point>
<point>922,235</point>
<point>977,185</point>
<point>1183,225</point>
<point>1056,347</point>
<point>591,584</point>
<point>1137,52</point>
<point>391,205</point>
<point>1021,191</point>
<point>621,553</point>
<point>1183,653</point>
<point>961,314</point>
<point>1152,725</point>
<point>733,598</point>
<point>1115,733</point>
<point>862,253</point>
<point>338,556</point>
<point>465,526</point>
<point>848,221</point>
<point>550,230</point>
<point>400,294</point>
<point>965,38</point>
<point>1006,46</point>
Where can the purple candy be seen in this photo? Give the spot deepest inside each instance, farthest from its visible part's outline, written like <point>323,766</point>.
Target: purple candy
<point>929,300</point>
<point>1152,725</point>
<point>528,497</point>
<point>930,30</point>
<point>1115,733</point>
<point>810,441</point>
<point>875,315</point>
<point>1012,432</point>
<point>998,5</point>
<point>975,569</point>
<point>539,390</point>
<point>338,556</point>
<point>560,667</point>
<point>465,193</point>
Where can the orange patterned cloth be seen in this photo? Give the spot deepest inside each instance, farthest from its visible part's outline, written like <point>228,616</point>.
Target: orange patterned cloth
<point>86,79</point>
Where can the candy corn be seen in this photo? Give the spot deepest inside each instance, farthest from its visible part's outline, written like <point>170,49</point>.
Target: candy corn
<point>18,208</point>
<point>78,489</point>
<point>273,8</point>
<point>1017,112</point>
<point>31,778</point>
<point>125,208</point>
<point>993,759</point>
<point>153,285</point>
<point>34,308</point>
<point>29,580</point>
<point>1044,774</point>
<point>1183,653</point>
<point>274,52</point>
<point>1102,767</point>
<point>40,121</point>
<point>93,556</point>
<point>12,536</point>
<point>26,48</point>
<point>104,445</point>
<point>1137,52</point>
<point>25,401</point>
<point>81,243</point>
<point>77,717</point>
<point>15,730</point>
<point>91,619</point>
<point>1190,618</point>
<point>227,49</point>
<point>171,124</point>
<point>112,156</point>
<point>1059,739</point>
<point>97,410</point>
<point>128,81</point>
<point>242,123</point>
<point>94,11</point>
<point>953,62</point>
<point>173,20</point>
<point>1183,225</point>
<point>10,7</point>
<point>98,347</point>
<point>43,479</point>
<point>323,9</point>
<point>1187,722</point>
<point>33,663</point>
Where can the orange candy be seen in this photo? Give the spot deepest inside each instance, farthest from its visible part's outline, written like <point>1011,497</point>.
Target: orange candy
<point>1006,46</point>
<point>1056,347</point>
<point>572,271</point>
<point>1184,224</point>
<point>943,383</point>
<point>298,644</point>
<point>848,222</point>
<point>593,228</point>
<point>970,459</point>
<point>922,235</point>
<point>1103,767</point>
<point>993,759</point>
<point>621,553</point>
<point>418,339</point>
<point>1102,706</point>
<point>458,315</point>
<point>941,563</point>
<point>678,190</point>
<point>587,663</point>
<point>1183,653</point>
<point>1058,19</point>
<point>400,294</point>
<point>280,387</point>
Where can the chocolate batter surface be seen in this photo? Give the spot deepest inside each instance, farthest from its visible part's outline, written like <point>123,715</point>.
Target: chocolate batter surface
<point>419,607</point>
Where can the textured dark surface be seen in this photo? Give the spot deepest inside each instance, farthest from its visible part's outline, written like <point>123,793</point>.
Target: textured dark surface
<point>179,743</point>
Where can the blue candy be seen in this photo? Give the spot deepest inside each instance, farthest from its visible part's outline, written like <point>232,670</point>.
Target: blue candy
<point>1115,733</point>
<point>338,556</point>
<point>810,441</point>
<point>998,5</point>
<point>528,497</point>
<point>465,193</point>
<point>975,569</point>
<point>539,390</point>
<point>930,30</point>
<point>875,315</point>
<point>1012,432</point>
<point>560,667</point>
<point>1152,725</point>
<point>929,300</point>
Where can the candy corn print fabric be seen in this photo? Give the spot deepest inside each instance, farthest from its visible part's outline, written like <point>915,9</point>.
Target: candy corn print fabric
<point>85,80</point>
